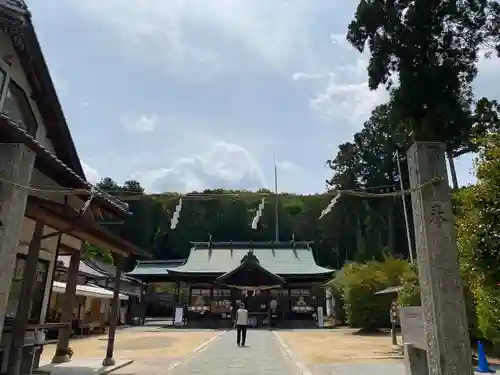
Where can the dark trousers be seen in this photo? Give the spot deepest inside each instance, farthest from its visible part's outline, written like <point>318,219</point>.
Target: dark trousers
<point>241,334</point>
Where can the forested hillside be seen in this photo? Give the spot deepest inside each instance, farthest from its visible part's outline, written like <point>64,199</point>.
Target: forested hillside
<point>357,229</point>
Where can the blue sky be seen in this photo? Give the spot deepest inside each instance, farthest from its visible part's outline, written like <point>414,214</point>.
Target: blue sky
<point>192,94</point>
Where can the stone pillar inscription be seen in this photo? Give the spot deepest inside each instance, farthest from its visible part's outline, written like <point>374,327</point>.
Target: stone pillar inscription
<point>446,329</point>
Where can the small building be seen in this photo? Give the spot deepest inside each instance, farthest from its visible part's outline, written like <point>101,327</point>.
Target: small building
<point>279,282</point>
<point>93,295</point>
<point>48,208</point>
<point>132,311</point>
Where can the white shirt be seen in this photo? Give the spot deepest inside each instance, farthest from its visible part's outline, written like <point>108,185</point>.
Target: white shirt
<point>242,317</point>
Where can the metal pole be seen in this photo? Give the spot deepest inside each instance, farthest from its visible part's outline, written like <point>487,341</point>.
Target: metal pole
<point>404,207</point>
<point>276,207</point>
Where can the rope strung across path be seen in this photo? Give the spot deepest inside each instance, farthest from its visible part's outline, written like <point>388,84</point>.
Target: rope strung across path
<point>132,196</point>
<point>200,196</point>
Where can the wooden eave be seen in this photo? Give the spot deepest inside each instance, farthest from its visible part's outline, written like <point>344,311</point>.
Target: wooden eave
<point>242,267</point>
<point>50,165</point>
<point>66,220</point>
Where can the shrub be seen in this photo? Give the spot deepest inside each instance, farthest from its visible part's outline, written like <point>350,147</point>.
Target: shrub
<point>358,283</point>
<point>410,294</point>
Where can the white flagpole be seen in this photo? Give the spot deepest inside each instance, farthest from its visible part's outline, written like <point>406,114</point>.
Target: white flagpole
<point>276,203</point>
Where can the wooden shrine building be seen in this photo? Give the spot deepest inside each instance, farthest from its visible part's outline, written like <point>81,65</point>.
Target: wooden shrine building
<point>279,282</point>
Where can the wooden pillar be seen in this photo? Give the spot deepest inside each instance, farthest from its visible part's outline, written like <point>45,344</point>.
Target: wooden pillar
<point>269,314</point>
<point>213,323</point>
<point>445,320</point>
<point>115,308</point>
<point>69,300</point>
<point>177,292</point>
<point>24,304</point>
<point>144,304</point>
<point>16,165</point>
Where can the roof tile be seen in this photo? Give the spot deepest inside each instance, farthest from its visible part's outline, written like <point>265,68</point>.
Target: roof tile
<point>283,261</point>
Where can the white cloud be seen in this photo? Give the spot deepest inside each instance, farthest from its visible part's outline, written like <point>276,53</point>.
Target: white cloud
<point>223,164</point>
<point>353,101</point>
<point>91,173</point>
<point>344,93</point>
<point>177,33</point>
<point>287,165</point>
<point>339,39</point>
<point>301,76</point>
<point>140,124</point>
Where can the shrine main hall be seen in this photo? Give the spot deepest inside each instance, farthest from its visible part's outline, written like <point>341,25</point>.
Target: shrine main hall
<point>280,283</point>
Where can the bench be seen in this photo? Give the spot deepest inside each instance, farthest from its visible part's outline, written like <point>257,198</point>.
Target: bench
<point>86,327</point>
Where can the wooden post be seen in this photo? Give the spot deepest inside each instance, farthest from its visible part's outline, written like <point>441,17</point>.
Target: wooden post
<point>69,299</point>
<point>394,316</point>
<point>24,304</point>
<point>269,314</point>
<point>115,308</point>
<point>16,165</point>
<point>445,320</point>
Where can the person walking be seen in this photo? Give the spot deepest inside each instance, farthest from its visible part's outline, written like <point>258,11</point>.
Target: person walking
<point>241,325</point>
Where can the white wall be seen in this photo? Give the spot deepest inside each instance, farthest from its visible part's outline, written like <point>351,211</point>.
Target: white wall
<point>49,246</point>
<point>16,72</point>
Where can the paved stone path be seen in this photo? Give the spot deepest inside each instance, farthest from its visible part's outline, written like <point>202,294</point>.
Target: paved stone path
<point>360,369</point>
<point>263,355</point>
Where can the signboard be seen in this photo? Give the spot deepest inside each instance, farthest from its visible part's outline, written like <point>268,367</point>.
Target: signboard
<point>252,321</point>
<point>412,326</point>
<point>179,312</point>
<point>321,321</point>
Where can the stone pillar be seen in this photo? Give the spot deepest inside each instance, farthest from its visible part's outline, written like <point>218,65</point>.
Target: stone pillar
<point>109,360</point>
<point>69,300</point>
<point>16,165</point>
<point>328,298</point>
<point>446,329</point>
<point>415,361</point>
<point>24,304</point>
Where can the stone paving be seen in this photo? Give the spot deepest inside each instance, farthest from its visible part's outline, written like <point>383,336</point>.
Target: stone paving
<point>263,355</point>
<point>210,352</point>
<point>360,369</point>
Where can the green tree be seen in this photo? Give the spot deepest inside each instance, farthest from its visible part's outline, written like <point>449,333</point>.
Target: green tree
<point>374,225</point>
<point>430,48</point>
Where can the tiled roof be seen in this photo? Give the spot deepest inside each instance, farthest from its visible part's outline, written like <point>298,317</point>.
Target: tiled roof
<point>15,19</point>
<point>82,267</point>
<point>390,290</point>
<point>155,267</point>
<point>19,134</point>
<point>107,269</point>
<point>281,261</point>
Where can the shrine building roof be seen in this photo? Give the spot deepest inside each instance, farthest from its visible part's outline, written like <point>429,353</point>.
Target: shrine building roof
<point>218,258</point>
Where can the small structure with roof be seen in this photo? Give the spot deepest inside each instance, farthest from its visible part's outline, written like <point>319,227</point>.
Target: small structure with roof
<point>279,282</point>
<point>94,294</point>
